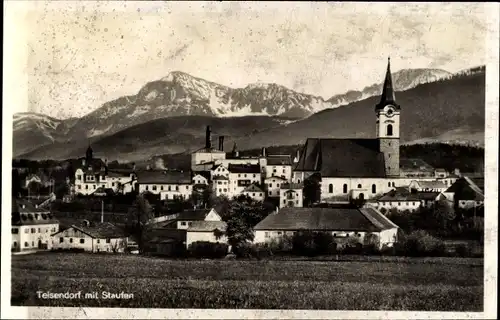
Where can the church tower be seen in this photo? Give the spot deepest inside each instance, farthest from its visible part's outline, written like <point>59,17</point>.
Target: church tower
<point>388,125</point>
<point>89,155</point>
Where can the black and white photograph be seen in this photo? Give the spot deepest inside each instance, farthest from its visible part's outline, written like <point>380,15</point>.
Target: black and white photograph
<point>250,160</point>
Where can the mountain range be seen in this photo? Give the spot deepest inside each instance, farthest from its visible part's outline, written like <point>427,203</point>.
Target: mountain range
<point>169,116</point>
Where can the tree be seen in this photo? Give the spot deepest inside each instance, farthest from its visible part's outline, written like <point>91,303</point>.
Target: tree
<point>443,214</point>
<point>312,189</point>
<point>62,190</point>
<point>139,217</point>
<point>16,183</point>
<point>34,188</point>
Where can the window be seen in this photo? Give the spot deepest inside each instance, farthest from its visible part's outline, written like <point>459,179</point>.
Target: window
<point>33,230</point>
<point>183,223</point>
<point>359,186</point>
<point>26,244</point>
<point>358,234</point>
<point>330,188</point>
<point>79,187</point>
<point>297,202</point>
<point>61,240</point>
<point>98,241</point>
<point>176,188</point>
<point>15,231</point>
<point>225,189</point>
<point>108,240</point>
<point>112,184</point>
<point>270,193</point>
<point>393,184</point>
<point>32,243</point>
<point>15,244</point>
<point>266,234</point>
<point>298,180</point>
<point>154,188</point>
<point>253,194</point>
<point>161,188</point>
<point>389,184</point>
<point>79,177</point>
<point>374,188</point>
<point>82,240</point>
<point>95,186</point>
<point>389,129</point>
<point>86,187</point>
<point>70,240</point>
<point>147,188</point>
<point>39,230</point>
<point>284,201</point>
<point>169,188</point>
<point>399,203</point>
<point>270,185</point>
<point>187,187</point>
<point>279,233</point>
<point>26,230</point>
<point>239,175</point>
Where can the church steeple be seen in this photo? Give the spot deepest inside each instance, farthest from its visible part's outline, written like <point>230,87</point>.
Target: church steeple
<point>89,155</point>
<point>388,97</point>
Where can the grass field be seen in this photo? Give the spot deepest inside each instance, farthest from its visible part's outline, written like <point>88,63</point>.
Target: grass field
<point>429,284</point>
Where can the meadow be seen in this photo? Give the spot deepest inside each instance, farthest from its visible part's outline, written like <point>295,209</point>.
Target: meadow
<point>390,283</point>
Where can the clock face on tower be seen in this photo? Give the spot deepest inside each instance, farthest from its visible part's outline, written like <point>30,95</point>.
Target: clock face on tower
<point>390,111</point>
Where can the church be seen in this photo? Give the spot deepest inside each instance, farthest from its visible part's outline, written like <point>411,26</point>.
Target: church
<point>358,168</point>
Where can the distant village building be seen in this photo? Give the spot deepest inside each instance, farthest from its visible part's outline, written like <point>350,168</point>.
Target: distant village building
<point>273,186</point>
<point>427,186</point>
<point>360,168</point>
<point>31,226</point>
<point>254,192</point>
<point>242,176</point>
<point>204,158</point>
<point>291,195</point>
<point>416,168</point>
<point>100,237</point>
<point>360,225</point>
<point>405,198</point>
<point>168,184</point>
<point>200,179</point>
<point>278,166</point>
<point>93,174</point>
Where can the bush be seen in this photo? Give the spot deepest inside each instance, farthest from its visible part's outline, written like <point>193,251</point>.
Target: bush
<point>205,249</point>
<point>308,243</point>
<point>245,250</point>
<point>419,244</point>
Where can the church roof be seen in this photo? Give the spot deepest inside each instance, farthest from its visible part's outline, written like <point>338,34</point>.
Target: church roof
<point>343,158</point>
<point>387,97</point>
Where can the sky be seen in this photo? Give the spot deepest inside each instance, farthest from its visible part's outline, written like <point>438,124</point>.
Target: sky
<point>71,57</point>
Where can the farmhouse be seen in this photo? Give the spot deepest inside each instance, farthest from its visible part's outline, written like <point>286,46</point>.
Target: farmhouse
<point>211,231</point>
<point>361,225</point>
<point>359,168</point>
<point>31,226</point>
<point>427,186</point>
<point>168,184</point>
<point>466,192</point>
<point>101,237</point>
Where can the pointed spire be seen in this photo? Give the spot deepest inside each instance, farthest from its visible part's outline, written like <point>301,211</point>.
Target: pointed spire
<point>388,96</point>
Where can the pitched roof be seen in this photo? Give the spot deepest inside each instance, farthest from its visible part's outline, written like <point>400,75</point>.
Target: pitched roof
<point>331,219</point>
<point>403,194</point>
<point>279,160</point>
<point>275,177</point>
<point>119,174</point>
<point>207,226</point>
<point>431,184</point>
<point>252,188</point>
<point>467,188</point>
<point>164,177</point>
<point>199,214</point>
<point>244,168</point>
<point>220,177</point>
<point>342,158</point>
<point>26,206</point>
<point>100,230</point>
<point>292,186</point>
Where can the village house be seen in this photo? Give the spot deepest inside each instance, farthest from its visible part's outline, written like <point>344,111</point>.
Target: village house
<point>199,179</point>
<point>415,168</point>
<point>242,176</point>
<point>31,226</point>
<point>360,225</point>
<point>291,195</point>
<point>188,227</point>
<point>273,186</point>
<point>221,186</point>
<point>427,186</point>
<point>359,168</point>
<point>219,170</point>
<point>278,166</point>
<point>465,193</point>
<point>405,198</point>
<point>99,237</point>
<point>204,158</point>
<point>168,184</point>
<point>254,192</point>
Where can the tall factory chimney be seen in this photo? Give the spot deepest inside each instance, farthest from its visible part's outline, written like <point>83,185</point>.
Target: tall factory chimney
<point>221,143</point>
<point>208,141</point>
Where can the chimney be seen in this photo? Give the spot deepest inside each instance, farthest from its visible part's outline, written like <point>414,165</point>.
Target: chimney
<point>208,141</point>
<point>221,143</point>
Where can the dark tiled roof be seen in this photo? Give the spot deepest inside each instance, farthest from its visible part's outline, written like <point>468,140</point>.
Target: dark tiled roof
<point>207,226</point>
<point>414,164</point>
<point>334,219</point>
<point>29,215</point>
<point>431,184</point>
<point>467,189</point>
<point>343,158</point>
<point>403,194</point>
<point>279,160</point>
<point>220,177</point>
<point>193,215</point>
<point>244,168</point>
<point>252,188</point>
<point>119,174</point>
<point>275,177</point>
<point>292,186</point>
<point>164,177</point>
<point>25,206</point>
